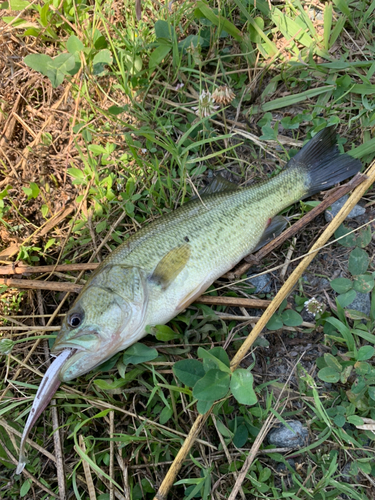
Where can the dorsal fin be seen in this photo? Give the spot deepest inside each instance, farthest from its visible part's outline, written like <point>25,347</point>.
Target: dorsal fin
<point>218,185</point>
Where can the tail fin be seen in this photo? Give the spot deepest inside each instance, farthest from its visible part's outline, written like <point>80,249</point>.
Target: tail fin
<point>324,165</point>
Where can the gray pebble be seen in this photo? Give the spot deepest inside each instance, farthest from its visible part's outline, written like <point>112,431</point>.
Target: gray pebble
<point>283,469</point>
<point>261,283</point>
<point>283,437</point>
<point>347,477</point>
<point>315,14</point>
<point>337,206</point>
<point>361,303</point>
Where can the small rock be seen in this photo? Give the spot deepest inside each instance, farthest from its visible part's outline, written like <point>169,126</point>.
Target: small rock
<point>347,476</point>
<point>315,14</point>
<point>337,206</point>
<point>282,437</point>
<point>283,469</point>
<point>361,303</point>
<point>261,283</point>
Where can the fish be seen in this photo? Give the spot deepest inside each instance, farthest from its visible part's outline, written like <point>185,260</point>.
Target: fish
<point>161,269</point>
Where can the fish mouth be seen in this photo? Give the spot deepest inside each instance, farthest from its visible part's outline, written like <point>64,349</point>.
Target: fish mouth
<point>80,362</point>
<point>83,342</point>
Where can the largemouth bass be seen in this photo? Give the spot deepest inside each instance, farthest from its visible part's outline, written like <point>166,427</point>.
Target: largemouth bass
<point>166,265</point>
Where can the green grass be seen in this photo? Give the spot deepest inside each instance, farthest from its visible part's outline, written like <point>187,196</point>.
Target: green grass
<point>127,146</point>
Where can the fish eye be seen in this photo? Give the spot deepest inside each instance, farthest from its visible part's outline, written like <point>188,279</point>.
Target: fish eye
<point>75,319</point>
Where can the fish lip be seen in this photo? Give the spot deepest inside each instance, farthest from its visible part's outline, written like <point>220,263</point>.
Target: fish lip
<point>75,342</point>
<point>67,345</point>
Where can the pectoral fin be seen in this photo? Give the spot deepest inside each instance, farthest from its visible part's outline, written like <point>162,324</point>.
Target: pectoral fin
<point>275,227</point>
<point>171,265</point>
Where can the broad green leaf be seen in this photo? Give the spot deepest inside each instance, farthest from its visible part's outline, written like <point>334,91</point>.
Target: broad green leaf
<point>34,189</point>
<point>275,323</point>
<point>339,420</point>
<point>358,261</point>
<point>117,110</point>
<point>241,386</point>
<point>291,318</point>
<point>55,69</point>
<point>163,29</point>
<point>329,374</point>
<point>365,352</point>
<point>192,40</point>
<point>132,61</point>
<point>361,368</point>
<point>101,59</point>
<point>355,420</point>
<point>158,55</point>
<point>76,173</point>
<point>60,66</point>
<point>241,436</point>
<point>341,285</point>
<point>139,353</point>
<point>189,371</point>
<point>164,333</point>
<point>223,429</point>
<point>347,241</point>
<point>74,44</point>
<point>216,357</point>
<point>364,237</point>
<point>332,362</point>
<point>213,386</point>
<point>346,298</point>
<point>38,62</point>
<point>18,5</point>
<point>25,488</point>
<point>49,243</point>
<point>204,406</point>
<point>371,393</point>
<point>110,385</point>
<point>165,415</point>
<point>363,283</point>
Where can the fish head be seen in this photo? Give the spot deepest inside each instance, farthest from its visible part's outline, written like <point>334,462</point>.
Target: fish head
<point>106,317</point>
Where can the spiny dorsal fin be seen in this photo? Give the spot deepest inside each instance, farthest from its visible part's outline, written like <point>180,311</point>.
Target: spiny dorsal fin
<point>275,227</point>
<point>171,265</point>
<point>218,185</point>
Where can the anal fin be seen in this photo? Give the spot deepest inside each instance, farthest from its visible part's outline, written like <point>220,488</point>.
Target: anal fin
<point>274,228</point>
